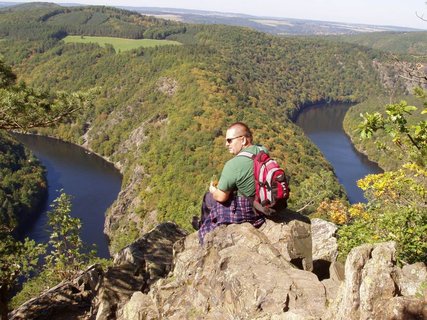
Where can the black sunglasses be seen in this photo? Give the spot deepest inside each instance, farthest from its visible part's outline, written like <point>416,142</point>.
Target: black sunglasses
<point>229,140</point>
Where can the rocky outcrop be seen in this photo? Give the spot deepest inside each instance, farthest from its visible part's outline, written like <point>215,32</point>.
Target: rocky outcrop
<point>242,273</point>
<point>290,233</point>
<point>68,300</point>
<point>371,288</point>
<point>136,268</point>
<point>168,86</point>
<point>238,274</point>
<point>325,253</point>
<point>412,75</point>
<point>126,200</point>
<point>325,245</point>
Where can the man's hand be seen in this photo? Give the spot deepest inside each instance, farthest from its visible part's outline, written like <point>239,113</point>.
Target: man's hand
<point>212,187</point>
<point>218,195</point>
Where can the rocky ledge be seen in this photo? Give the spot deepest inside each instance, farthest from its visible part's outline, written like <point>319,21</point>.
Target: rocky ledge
<point>241,273</point>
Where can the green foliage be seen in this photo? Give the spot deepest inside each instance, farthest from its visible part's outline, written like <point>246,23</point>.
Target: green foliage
<point>67,255</point>
<point>33,287</point>
<point>317,188</point>
<point>22,183</point>
<point>396,211</point>
<point>54,22</point>
<point>23,108</point>
<point>122,239</point>
<point>411,139</point>
<point>412,43</point>
<point>393,136</point>
<point>7,77</point>
<point>17,259</point>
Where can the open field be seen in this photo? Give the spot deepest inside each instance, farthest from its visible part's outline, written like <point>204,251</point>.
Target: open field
<point>120,44</point>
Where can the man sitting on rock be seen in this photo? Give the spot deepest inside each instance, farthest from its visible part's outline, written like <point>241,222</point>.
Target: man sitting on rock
<point>231,201</point>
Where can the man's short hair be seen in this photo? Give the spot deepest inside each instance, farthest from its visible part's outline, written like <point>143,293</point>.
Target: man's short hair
<point>243,127</point>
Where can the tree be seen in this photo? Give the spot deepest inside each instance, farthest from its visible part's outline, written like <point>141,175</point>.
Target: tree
<point>24,108</point>
<point>67,256</point>
<point>412,140</point>
<point>16,259</point>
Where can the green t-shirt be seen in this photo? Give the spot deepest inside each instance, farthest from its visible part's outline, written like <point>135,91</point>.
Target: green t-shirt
<point>238,174</point>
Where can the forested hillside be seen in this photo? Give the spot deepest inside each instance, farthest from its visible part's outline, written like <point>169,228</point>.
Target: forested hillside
<point>22,183</point>
<point>53,21</point>
<point>380,149</point>
<point>161,112</point>
<point>409,43</point>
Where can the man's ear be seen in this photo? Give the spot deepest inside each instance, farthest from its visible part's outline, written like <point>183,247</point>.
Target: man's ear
<point>246,141</point>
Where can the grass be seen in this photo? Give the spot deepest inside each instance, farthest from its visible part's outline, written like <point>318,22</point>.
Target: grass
<point>120,44</point>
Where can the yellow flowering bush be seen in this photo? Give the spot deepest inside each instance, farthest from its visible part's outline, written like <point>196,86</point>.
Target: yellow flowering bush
<point>396,210</point>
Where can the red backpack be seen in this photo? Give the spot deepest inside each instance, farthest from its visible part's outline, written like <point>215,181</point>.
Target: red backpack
<point>271,183</point>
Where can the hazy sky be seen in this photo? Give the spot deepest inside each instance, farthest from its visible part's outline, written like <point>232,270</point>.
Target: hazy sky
<point>377,12</point>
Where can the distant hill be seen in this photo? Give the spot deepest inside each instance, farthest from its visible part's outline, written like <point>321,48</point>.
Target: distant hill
<point>51,21</point>
<point>279,26</point>
<point>411,43</point>
<point>25,6</point>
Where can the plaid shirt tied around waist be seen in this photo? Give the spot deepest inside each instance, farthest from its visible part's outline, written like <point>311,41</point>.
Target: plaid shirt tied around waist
<point>234,211</point>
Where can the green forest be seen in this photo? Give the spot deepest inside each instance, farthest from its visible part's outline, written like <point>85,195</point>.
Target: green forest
<point>379,149</point>
<point>160,113</point>
<point>407,43</point>
<point>22,183</point>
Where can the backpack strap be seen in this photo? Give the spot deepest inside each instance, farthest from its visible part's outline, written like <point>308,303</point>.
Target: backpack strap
<point>246,154</point>
<point>251,155</point>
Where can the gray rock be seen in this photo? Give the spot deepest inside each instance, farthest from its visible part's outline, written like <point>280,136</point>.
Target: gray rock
<point>290,234</point>
<point>67,300</point>
<point>370,288</point>
<point>411,278</point>
<point>325,246</point>
<point>336,271</point>
<point>400,308</point>
<point>239,274</point>
<point>377,282</point>
<point>331,287</point>
<point>136,268</point>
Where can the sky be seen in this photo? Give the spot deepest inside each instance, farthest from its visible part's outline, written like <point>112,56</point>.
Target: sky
<point>376,12</point>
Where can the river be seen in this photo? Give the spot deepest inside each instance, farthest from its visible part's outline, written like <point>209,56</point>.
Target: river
<point>323,125</point>
<point>92,182</point>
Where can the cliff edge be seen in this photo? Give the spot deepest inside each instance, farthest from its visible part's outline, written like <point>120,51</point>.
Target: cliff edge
<point>241,273</point>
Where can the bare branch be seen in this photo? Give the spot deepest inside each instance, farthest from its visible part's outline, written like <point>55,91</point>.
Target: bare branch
<point>414,73</point>
<point>306,205</point>
<point>420,16</point>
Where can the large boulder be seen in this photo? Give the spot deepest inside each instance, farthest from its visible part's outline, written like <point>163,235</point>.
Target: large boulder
<point>325,250</point>
<point>371,288</point>
<point>136,268</point>
<point>67,300</point>
<point>410,277</point>
<point>290,233</point>
<point>239,273</point>
<point>325,245</point>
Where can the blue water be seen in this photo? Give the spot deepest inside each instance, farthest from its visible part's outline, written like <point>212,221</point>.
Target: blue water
<point>92,182</point>
<point>323,125</point>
